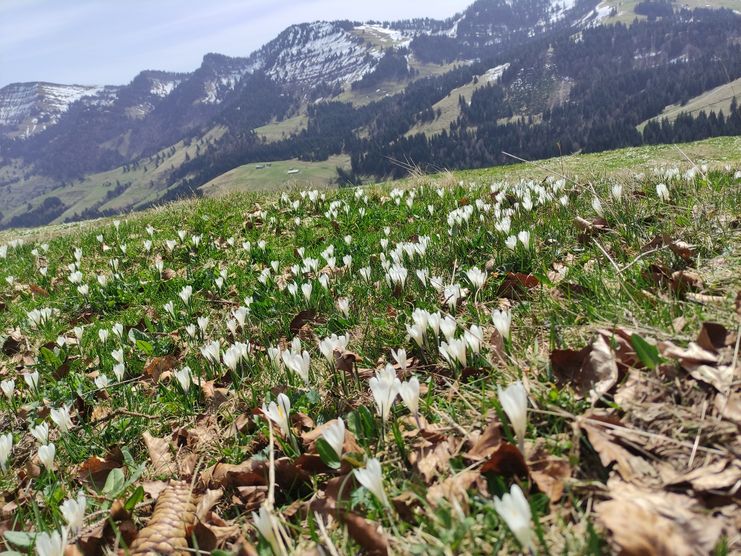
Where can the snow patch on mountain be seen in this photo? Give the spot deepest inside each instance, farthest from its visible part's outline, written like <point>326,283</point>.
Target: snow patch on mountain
<point>163,88</point>
<point>495,73</point>
<point>308,54</point>
<point>396,37</point>
<point>30,108</point>
<point>559,8</point>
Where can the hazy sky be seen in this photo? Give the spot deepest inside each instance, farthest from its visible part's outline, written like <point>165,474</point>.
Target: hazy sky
<point>110,41</point>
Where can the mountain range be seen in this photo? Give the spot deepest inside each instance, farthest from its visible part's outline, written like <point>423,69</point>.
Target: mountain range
<point>533,77</point>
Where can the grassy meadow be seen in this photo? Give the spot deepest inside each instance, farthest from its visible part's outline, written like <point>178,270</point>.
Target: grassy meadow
<point>535,359</point>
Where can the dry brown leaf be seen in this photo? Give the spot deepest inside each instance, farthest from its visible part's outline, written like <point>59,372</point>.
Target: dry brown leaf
<point>13,342</point>
<point>252,497</point>
<point>508,461</point>
<point>721,475</point>
<point>649,523</point>
<point>496,348</point>
<point>549,472</point>
<point>701,364</point>
<point>226,475</point>
<point>487,442</point>
<point>366,533</point>
<point>214,396</point>
<point>95,469</point>
<point>715,337</point>
<point>454,489</point>
<point>591,372</point>
<point>345,360</point>
<point>630,467</point>
<point>38,290</point>
<point>301,320</point>
<point>157,366</point>
<point>207,502</point>
<point>159,453</point>
<point>729,406</point>
<point>431,461</point>
<point>154,488</point>
<point>517,284</point>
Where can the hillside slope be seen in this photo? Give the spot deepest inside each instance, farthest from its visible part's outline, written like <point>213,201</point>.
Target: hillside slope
<point>482,362</point>
<point>539,77</point>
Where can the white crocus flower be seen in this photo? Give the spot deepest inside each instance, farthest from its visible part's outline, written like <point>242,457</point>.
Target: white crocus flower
<point>597,206</point>
<point>298,363</point>
<point>433,321</point>
<point>265,523</point>
<point>524,237</point>
<point>474,337</point>
<point>6,447</point>
<point>240,315</point>
<point>119,369</point>
<point>371,478</point>
<point>514,509</point>
<point>511,242</point>
<point>41,433</point>
<point>184,378</point>
<point>477,277</point>
<point>448,326</point>
<point>416,333</point>
<point>46,455</point>
<point>31,379</point>
<point>212,352</point>
<point>306,290</point>
<point>662,191</point>
<point>502,321</point>
<point>409,392</point>
<point>8,388</point>
<point>102,382</point>
<point>324,281</point>
<point>454,351</point>
<point>62,418</point>
<point>118,355</point>
<point>400,356</point>
<point>384,387</point>
<point>73,511</point>
<point>343,306</point>
<point>103,335</point>
<point>334,434</point>
<point>279,412</point>
<point>616,191</point>
<point>231,358</point>
<point>185,294</point>
<point>514,403</point>
<point>51,544</point>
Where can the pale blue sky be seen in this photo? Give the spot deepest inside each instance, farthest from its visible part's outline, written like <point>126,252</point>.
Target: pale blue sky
<point>109,41</point>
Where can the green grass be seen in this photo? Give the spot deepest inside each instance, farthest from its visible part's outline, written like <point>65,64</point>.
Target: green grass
<point>147,183</point>
<point>273,176</point>
<point>277,131</point>
<point>714,100</point>
<point>388,88</point>
<point>584,284</point>
<point>626,8</point>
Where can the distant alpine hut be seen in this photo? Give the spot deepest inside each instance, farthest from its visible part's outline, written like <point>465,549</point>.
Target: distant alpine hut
<point>259,167</point>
